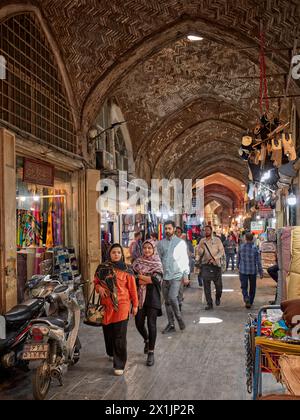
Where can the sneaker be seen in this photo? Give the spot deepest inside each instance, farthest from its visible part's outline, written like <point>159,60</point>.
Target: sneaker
<point>209,308</point>
<point>119,372</point>
<point>181,324</point>
<point>150,360</point>
<point>169,329</point>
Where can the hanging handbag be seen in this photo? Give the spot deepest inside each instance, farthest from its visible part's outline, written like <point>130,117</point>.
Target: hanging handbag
<point>211,270</point>
<point>94,313</point>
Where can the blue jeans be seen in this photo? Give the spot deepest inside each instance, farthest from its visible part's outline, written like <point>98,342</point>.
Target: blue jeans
<point>230,257</point>
<point>248,285</point>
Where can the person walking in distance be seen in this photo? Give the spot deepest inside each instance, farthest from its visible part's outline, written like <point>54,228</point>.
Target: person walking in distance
<point>174,256</point>
<point>136,247</point>
<point>230,251</point>
<point>249,264</point>
<point>211,252</point>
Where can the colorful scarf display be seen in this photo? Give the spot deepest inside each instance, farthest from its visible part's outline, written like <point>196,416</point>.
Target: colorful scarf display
<point>28,228</point>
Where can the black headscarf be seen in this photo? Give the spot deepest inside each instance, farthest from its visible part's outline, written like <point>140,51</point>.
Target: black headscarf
<point>107,277</point>
<point>120,265</point>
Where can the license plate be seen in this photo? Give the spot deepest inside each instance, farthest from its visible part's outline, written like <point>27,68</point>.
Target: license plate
<point>35,352</point>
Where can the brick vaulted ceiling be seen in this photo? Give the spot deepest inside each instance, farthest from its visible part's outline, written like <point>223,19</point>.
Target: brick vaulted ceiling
<point>186,104</point>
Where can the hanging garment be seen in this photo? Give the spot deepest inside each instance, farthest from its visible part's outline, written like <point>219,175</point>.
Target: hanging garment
<point>269,148</point>
<point>289,146</point>
<point>257,159</point>
<point>263,155</point>
<point>49,240</point>
<point>277,152</point>
<point>294,272</point>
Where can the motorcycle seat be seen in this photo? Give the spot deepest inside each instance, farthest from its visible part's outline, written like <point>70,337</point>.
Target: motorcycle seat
<point>24,312</point>
<point>58,322</point>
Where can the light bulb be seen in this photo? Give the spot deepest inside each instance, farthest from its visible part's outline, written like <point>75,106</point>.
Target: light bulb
<point>292,200</point>
<point>195,38</point>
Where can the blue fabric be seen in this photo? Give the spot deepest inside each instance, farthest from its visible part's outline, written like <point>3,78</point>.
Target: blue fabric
<point>249,260</point>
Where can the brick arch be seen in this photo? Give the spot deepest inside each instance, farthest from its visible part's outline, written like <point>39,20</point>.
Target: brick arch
<point>200,140</point>
<point>232,166</point>
<point>158,39</point>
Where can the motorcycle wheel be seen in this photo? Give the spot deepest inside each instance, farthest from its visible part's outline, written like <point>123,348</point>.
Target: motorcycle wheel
<point>41,382</point>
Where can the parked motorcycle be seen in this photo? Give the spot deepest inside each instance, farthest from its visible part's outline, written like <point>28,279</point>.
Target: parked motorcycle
<point>15,324</point>
<point>53,341</point>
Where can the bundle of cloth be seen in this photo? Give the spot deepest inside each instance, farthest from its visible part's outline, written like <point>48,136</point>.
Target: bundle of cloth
<point>293,281</point>
<point>286,251</point>
<point>269,247</point>
<point>290,373</point>
<point>268,259</point>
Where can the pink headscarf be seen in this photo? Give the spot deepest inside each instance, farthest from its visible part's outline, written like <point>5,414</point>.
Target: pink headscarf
<point>150,265</point>
<point>147,266</point>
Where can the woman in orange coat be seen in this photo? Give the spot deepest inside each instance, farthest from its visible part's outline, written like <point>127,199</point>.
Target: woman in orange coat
<point>116,284</point>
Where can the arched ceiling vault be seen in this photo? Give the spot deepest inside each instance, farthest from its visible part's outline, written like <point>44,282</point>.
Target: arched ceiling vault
<point>222,201</point>
<point>136,51</point>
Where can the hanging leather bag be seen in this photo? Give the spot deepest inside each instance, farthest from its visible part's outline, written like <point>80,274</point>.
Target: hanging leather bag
<point>94,313</point>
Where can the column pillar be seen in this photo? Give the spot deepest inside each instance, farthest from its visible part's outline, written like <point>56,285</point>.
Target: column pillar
<point>89,223</point>
<point>8,246</point>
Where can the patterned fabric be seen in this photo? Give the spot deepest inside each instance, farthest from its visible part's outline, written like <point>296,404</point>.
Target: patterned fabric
<point>147,266</point>
<point>249,260</point>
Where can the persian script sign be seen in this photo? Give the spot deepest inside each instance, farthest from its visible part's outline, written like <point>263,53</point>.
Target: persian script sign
<point>40,173</point>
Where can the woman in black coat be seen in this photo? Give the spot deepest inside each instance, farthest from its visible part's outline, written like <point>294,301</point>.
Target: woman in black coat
<point>149,273</point>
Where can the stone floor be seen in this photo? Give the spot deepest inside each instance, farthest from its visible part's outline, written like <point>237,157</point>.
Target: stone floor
<point>207,361</point>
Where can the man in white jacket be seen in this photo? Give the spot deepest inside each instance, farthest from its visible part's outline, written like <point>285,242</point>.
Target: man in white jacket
<point>174,256</point>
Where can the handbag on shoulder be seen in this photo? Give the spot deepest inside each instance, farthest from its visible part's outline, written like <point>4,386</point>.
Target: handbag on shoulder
<point>94,313</point>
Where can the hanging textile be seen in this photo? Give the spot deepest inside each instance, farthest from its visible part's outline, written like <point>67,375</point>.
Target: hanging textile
<point>277,152</point>
<point>49,240</point>
<point>28,228</point>
<point>289,146</point>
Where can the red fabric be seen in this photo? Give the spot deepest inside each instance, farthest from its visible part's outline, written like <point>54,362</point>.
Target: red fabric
<point>127,295</point>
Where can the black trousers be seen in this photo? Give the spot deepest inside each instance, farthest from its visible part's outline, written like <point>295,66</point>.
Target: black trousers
<point>212,274</point>
<point>140,320</point>
<point>115,336</point>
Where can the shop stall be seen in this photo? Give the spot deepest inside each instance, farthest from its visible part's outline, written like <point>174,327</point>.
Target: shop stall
<point>43,214</point>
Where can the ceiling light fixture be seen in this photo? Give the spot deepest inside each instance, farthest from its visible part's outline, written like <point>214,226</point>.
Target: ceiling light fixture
<point>195,38</point>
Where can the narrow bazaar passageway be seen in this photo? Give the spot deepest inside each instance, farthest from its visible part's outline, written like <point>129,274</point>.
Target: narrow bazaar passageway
<point>206,362</point>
